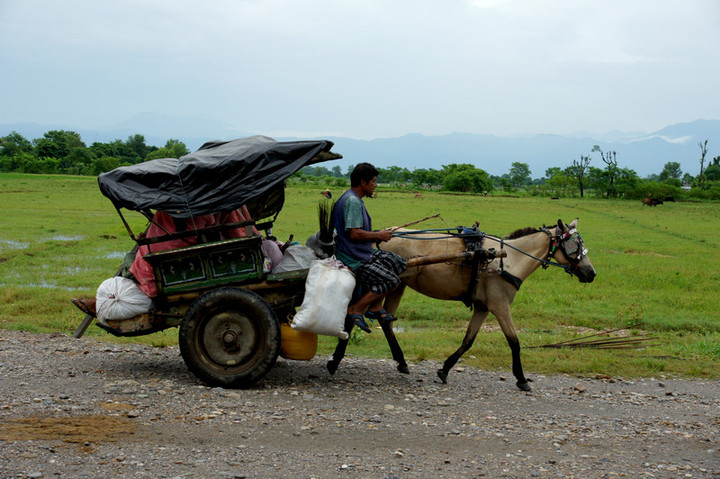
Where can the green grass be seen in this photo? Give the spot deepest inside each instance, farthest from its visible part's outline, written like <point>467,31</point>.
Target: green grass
<point>659,266</point>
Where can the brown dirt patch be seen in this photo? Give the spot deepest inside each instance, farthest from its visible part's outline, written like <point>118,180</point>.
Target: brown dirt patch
<point>116,406</point>
<point>75,430</point>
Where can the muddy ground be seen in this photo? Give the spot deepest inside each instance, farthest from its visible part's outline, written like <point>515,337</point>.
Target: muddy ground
<point>85,408</point>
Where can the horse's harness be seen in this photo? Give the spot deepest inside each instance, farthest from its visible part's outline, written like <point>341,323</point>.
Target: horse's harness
<point>569,243</point>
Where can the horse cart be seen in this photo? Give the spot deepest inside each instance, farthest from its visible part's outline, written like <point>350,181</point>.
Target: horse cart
<point>203,261</point>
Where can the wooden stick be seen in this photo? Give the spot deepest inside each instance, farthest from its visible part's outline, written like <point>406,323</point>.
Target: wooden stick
<point>415,222</point>
<point>442,258</point>
<point>582,338</point>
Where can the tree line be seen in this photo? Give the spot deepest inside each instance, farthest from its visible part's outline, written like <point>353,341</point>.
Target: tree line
<point>578,179</point>
<point>64,152</point>
<point>598,173</point>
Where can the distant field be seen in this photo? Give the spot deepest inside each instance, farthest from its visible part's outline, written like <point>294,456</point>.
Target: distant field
<point>659,266</point>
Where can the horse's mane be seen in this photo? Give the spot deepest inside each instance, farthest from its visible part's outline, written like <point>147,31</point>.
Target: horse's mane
<point>519,233</point>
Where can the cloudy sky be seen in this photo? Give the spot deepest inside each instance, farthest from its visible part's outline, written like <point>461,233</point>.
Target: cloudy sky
<point>364,68</point>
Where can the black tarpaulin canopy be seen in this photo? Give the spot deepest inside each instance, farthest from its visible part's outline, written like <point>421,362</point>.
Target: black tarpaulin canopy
<point>220,176</point>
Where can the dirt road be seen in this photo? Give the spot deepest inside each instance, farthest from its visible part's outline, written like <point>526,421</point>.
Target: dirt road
<point>84,408</point>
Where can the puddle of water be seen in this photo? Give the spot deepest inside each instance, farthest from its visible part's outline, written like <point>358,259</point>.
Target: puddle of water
<point>66,238</point>
<point>43,285</point>
<point>116,255</point>
<point>75,269</point>
<point>10,244</point>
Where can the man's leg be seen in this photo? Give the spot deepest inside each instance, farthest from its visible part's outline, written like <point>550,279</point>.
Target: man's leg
<point>367,300</point>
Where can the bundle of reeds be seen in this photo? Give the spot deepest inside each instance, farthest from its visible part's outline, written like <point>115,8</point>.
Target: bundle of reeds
<point>324,215</point>
<point>608,342</point>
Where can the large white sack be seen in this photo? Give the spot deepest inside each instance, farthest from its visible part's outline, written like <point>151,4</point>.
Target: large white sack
<point>120,298</point>
<point>328,290</point>
<point>296,257</point>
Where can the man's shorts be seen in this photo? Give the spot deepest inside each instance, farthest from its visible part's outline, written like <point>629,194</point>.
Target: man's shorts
<point>380,273</point>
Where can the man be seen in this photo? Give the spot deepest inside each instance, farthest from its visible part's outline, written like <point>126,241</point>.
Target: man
<point>375,270</point>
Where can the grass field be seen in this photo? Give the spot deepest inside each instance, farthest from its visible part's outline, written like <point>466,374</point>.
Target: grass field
<point>659,266</point>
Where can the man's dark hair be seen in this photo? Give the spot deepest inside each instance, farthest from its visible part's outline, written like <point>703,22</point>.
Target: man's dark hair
<point>363,171</point>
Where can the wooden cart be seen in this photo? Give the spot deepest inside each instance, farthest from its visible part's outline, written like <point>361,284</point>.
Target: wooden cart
<point>228,309</point>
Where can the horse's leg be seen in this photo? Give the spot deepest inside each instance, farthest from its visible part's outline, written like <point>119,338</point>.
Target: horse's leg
<point>395,348</point>
<point>506,324</point>
<point>478,317</point>
<point>339,353</point>
<point>392,302</point>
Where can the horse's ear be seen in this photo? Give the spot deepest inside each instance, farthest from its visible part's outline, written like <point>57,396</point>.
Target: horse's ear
<point>574,223</point>
<point>562,226</point>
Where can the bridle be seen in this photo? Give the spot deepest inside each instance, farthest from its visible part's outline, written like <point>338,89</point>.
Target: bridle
<point>570,244</point>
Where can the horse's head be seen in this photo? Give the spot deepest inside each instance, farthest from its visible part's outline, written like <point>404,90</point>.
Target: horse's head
<point>568,249</point>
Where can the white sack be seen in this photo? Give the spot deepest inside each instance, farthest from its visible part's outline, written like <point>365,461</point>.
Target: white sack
<point>328,290</point>
<point>296,257</point>
<point>120,298</point>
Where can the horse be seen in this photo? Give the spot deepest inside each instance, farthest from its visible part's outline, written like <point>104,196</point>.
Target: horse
<point>489,287</point>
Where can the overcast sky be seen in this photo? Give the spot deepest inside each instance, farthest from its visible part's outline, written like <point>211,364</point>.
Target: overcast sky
<point>364,68</point>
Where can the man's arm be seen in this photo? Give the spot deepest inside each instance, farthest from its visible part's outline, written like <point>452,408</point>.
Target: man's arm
<point>359,234</point>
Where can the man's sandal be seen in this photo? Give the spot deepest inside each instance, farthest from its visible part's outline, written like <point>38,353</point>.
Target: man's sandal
<point>359,322</point>
<point>381,315</point>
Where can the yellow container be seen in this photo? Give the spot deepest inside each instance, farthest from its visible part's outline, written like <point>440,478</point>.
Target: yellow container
<point>297,345</point>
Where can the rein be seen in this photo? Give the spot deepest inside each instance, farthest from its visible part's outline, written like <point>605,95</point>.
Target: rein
<point>545,262</point>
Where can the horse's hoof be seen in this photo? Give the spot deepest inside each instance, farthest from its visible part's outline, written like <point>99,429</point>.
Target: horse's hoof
<point>443,377</point>
<point>332,367</point>
<point>403,368</point>
<point>524,386</point>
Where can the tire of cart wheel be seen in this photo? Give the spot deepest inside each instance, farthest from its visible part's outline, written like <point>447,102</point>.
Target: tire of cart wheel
<point>230,338</point>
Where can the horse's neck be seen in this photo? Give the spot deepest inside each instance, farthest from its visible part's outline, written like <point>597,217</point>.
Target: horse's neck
<point>521,265</point>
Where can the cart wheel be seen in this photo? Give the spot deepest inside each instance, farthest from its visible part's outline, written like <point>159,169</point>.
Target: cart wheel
<point>230,338</point>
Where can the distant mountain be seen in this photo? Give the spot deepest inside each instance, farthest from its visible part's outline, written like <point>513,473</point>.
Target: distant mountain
<point>646,153</point>
<point>191,130</point>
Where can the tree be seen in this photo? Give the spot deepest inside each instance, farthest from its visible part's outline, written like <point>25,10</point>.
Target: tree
<point>465,178</point>
<point>394,174</point>
<point>671,170</point>
<point>426,178</point>
<point>177,147</point>
<point>577,170</point>
<point>611,170</point>
<point>77,161</point>
<point>172,149</point>
<point>137,144</point>
<point>703,152</point>
<point>57,144</point>
<point>712,173</point>
<point>520,173</point>
<point>626,182</point>
<point>558,181</point>
<point>505,183</point>
<point>103,164</point>
<point>14,144</point>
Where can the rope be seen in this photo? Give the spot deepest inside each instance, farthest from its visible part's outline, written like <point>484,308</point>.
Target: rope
<point>448,231</point>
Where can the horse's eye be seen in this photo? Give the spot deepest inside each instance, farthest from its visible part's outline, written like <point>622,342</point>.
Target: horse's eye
<point>571,247</point>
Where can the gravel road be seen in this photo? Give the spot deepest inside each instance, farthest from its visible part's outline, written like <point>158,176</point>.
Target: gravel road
<point>83,408</point>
